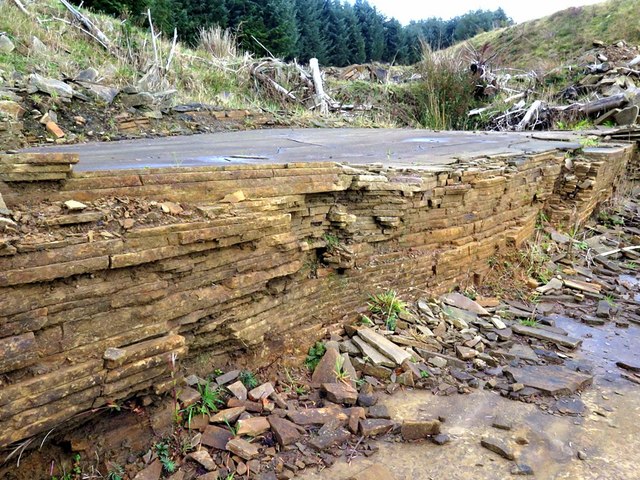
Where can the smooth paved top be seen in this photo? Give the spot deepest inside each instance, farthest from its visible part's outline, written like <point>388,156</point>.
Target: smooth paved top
<point>396,147</point>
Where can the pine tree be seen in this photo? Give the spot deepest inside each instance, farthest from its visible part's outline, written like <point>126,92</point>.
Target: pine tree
<point>281,27</point>
<point>310,41</point>
<point>372,26</point>
<point>355,40</point>
<point>335,34</point>
<point>394,42</point>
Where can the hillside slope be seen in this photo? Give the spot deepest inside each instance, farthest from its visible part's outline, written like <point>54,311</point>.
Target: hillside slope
<point>560,38</point>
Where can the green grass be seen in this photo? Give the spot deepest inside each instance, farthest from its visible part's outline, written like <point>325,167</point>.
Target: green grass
<point>248,379</point>
<point>609,298</point>
<point>560,37</point>
<point>210,399</point>
<point>315,354</point>
<point>331,241</point>
<point>195,73</point>
<point>389,305</point>
<point>529,322</point>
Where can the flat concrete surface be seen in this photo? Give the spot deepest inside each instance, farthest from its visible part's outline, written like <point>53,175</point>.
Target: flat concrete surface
<point>397,147</point>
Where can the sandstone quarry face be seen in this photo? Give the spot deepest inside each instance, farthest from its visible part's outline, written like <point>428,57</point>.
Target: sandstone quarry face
<point>164,264</point>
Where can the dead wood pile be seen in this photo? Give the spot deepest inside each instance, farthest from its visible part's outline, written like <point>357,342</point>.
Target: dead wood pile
<point>602,88</point>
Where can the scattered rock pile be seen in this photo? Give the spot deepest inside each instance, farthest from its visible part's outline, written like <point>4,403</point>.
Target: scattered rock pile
<point>273,431</point>
<point>603,87</point>
<point>35,109</point>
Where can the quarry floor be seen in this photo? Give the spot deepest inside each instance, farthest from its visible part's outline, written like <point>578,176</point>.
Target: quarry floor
<point>394,147</point>
<point>607,432</point>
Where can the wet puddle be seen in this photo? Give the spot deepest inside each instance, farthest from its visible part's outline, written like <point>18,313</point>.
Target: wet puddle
<point>606,431</point>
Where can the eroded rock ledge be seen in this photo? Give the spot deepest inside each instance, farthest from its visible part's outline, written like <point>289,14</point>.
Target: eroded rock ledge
<point>96,299</point>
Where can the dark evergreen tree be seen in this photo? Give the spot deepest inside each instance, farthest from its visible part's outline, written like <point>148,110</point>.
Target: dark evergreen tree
<point>355,40</point>
<point>281,27</point>
<point>372,25</point>
<point>335,31</point>
<point>335,34</point>
<point>310,41</point>
<point>394,42</point>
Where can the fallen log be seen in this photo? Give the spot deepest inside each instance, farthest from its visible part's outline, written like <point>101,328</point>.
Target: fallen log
<point>533,110</point>
<point>603,104</point>
<point>89,27</point>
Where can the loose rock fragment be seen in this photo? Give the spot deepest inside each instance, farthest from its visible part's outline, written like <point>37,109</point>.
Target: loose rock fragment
<point>242,448</point>
<point>373,427</point>
<point>340,393</point>
<point>374,472</point>
<point>498,446</point>
<point>418,429</point>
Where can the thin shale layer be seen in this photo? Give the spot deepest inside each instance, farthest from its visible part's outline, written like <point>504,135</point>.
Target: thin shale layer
<point>245,259</point>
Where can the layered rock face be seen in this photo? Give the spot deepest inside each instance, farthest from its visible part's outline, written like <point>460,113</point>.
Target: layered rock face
<point>101,298</point>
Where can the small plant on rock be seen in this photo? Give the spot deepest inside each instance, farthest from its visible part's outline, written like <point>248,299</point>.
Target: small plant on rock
<point>331,240</point>
<point>210,399</point>
<point>315,354</point>
<point>366,321</point>
<point>162,450</point>
<point>341,374</point>
<point>116,473</point>
<point>389,305</point>
<point>248,379</point>
<point>529,322</point>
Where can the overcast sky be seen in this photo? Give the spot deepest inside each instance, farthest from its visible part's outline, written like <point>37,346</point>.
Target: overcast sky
<point>519,10</point>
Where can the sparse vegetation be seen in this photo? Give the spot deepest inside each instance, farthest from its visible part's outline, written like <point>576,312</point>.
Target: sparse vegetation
<point>332,242</point>
<point>610,299</point>
<point>389,305</point>
<point>341,374</point>
<point>442,100</point>
<point>116,473</point>
<point>248,379</point>
<point>164,455</point>
<point>316,352</point>
<point>589,142</point>
<point>554,40</point>
<point>211,399</point>
<point>529,322</point>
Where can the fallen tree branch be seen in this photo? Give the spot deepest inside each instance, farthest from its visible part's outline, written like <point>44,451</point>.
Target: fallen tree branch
<point>90,28</point>
<point>82,30</point>
<point>173,49</point>
<point>533,110</point>
<point>21,7</point>
<point>618,250</point>
<point>607,103</point>
<point>153,38</point>
<point>321,97</point>
<point>279,88</point>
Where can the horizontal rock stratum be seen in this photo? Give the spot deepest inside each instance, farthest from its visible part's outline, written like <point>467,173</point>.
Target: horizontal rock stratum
<point>172,263</point>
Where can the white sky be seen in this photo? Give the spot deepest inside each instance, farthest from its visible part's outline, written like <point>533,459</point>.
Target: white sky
<point>519,10</point>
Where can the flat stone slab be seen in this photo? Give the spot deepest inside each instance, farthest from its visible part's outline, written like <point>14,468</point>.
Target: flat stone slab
<point>547,336</point>
<point>459,317</point>
<point>499,446</point>
<point>374,356</point>
<point>551,379</point>
<point>374,472</point>
<point>317,416</point>
<point>631,366</point>
<point>356,146</point>
<point>458,300</point>
<point>383,345</point>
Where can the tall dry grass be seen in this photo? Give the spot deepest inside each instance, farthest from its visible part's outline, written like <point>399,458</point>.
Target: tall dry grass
<point>446,92</point>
